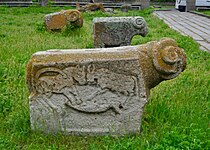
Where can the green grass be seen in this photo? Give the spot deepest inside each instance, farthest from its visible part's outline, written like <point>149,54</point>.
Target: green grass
<point>176,117</point>
<point>206,12</point>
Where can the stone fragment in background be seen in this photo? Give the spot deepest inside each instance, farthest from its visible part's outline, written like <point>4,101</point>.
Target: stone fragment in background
<point>117,31</point>
<point>90,7</point>
<point>98,91</point>
<point>109,10</point>
<point>126,7</point>
<point>63,19</point>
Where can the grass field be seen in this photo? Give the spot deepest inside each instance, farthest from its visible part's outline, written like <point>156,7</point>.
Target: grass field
<point>176,117</point>
<point>206,12</point>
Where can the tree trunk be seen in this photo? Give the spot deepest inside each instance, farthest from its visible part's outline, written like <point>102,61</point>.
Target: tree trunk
<point>190,5</point>
<point>43,2</point>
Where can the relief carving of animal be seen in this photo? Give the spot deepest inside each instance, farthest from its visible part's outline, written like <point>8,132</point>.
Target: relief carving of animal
<point>113,81</point>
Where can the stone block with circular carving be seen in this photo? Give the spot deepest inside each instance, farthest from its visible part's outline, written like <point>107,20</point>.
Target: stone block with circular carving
<point>117,31</point>
<point>61,20</point>
<point>98,91</point>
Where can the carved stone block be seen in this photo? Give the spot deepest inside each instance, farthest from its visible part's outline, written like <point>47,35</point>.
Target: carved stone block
<point>61,20</point>
<point>117,31</point>
<point>98,91</point>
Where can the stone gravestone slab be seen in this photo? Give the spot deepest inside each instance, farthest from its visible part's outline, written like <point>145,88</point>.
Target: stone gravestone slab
<point>63,19</point>
<point>117,31</point>
<point>98,91</point>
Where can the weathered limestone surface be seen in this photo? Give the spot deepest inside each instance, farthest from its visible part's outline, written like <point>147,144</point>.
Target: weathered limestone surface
<point>61,20</point>
<point>98,91</point>
<point>117,31</point>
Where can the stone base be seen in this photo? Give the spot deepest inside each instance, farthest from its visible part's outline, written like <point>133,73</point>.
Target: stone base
<point>67,120</point>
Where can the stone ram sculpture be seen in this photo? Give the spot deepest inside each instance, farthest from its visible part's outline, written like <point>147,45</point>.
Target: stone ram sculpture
<point>98,91</point>
<point>61,20</point>
<point>117,31</point>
